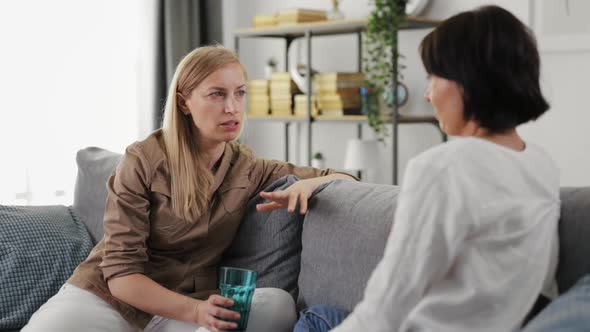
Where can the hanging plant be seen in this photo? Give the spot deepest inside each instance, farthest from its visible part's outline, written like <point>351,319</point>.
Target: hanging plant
<point>380,47</point>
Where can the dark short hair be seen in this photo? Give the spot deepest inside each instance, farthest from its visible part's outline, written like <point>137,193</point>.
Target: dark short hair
<point>494,58</point>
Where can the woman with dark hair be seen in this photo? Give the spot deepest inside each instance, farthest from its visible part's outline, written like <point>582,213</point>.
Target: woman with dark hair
<point>475,234</point>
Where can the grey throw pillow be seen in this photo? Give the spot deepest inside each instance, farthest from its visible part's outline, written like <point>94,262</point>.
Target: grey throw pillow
<point>95,165</point>
<point>574,232</point>
<point>269,243</point>
<point>344,236</point>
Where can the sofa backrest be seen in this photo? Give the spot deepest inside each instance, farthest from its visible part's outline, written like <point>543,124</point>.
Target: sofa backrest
<point>574,237</point>
<point>95,165</point>
<point>343,238</point>
<point>345,232</point>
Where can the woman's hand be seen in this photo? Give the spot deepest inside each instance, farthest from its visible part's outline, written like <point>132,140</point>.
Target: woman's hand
<point>208,314</point>
<point>297,193</point>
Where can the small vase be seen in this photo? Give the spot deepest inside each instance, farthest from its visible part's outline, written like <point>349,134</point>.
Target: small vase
<point>318,163</point>
<point>335,13</point>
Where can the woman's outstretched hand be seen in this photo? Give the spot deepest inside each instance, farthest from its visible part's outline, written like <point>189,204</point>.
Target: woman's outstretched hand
<point>208,314</point>
<point>296,194</point>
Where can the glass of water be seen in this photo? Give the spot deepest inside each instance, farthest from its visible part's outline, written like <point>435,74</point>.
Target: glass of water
<point>238,285</point>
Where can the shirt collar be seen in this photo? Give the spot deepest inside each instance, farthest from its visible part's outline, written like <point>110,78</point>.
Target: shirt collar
<point>223,168</point>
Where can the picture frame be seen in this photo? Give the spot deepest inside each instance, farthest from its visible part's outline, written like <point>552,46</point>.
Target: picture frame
<point>561,25</point>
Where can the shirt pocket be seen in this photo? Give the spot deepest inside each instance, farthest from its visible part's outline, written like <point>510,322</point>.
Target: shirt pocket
<point>163,222</point>
<point>234,196</point>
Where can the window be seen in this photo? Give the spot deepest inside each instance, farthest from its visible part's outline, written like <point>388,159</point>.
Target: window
<point>69,80</point>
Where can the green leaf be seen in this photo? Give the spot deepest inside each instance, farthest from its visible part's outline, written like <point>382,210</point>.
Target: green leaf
<point>380,45</point>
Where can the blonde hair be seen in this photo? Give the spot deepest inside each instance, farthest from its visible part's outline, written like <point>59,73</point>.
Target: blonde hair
<point>191,180</point>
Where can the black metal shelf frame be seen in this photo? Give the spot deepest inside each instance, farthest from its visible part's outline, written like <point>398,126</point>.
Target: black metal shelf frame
<point>307,31</point>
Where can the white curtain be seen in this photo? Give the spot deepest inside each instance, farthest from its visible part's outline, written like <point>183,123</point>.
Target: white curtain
<point>74,74</point>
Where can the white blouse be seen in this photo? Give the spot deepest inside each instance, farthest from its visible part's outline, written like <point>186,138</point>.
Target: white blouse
<point>473,242</point>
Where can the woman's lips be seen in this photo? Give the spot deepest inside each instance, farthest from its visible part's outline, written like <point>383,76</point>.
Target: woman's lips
<point>231,125</point>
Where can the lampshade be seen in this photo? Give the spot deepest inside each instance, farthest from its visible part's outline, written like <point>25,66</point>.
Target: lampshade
<point>361,154</point>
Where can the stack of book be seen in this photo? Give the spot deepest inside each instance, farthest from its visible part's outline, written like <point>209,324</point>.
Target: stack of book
<point>338,93</point>
<point>301,105</point>
<point>259,101</point>
<point>294,16</point>
<point>260,21</point>
<point>282,89</point>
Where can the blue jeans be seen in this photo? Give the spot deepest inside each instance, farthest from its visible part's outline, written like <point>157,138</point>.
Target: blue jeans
<point>319,318</point>
<point>569,312</point>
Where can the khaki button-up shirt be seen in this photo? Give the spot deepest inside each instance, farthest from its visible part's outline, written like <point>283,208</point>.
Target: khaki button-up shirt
<point>142,235</point>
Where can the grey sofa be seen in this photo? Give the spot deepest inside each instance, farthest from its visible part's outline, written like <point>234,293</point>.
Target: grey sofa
<point>327,256</point>
<point>345,232</point>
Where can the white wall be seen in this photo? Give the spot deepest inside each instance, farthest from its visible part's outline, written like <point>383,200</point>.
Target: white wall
<point>565,130</point>
<point>562,131</point>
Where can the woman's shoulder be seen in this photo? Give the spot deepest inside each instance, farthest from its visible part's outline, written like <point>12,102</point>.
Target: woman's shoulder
<point>150,150</point>
<point>244,159</point>
<point>241,152</point>
<point>461,149</point>
<point>152,145</point>
<point>443,154</point>
<point>462,152</point>
<point>481,158</point>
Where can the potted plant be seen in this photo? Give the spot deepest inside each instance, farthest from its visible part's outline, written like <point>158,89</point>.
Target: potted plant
<point>380,60</point>
<point>318,160</point>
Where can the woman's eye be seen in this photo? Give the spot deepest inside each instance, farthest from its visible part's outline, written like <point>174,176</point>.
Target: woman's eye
<point>217,94</point>
<point>241,93</point>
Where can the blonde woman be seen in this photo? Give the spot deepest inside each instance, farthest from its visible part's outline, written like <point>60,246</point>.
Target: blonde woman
<point>174,204</point>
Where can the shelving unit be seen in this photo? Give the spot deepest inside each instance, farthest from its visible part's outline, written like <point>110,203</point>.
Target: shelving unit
<point>326,28</point>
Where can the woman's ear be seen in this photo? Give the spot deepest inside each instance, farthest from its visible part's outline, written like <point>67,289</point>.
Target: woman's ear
<point>182,104</point>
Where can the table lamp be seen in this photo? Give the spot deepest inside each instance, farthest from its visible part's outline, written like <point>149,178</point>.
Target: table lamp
<point>361,156</point>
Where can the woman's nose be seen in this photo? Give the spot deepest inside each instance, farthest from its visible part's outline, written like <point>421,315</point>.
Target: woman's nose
<point>230,105</point>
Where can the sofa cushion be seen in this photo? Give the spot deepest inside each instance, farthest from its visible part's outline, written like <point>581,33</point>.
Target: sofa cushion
<point>344,235</point>
<point>95,165</point>
<point>574,232</point>
<point>40,246</point>
<point>269,243</point>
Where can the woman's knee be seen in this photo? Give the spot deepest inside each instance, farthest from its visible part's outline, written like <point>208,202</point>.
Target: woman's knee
<point>320,318</point>
<point>272,309</point>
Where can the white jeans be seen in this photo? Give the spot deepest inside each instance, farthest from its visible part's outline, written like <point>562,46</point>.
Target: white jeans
<point>74,309</point>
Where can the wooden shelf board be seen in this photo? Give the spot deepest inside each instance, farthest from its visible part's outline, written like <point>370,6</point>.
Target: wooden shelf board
<point>386,118</point>
<point>417,118</point>
<point>327,28</point>
<point>346,118</point>
<point>293,118</point>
